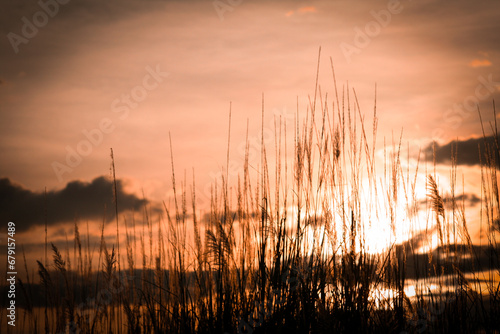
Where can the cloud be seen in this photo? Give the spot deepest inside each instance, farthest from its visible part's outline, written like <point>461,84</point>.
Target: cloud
<point>470,152</point>
<point>415,242</point>
<point>78,199</point>
<point>468,199</point>
<point>480,63</point>
<point>466,258</point>
<point>302,10</point>
<point>308,9</point>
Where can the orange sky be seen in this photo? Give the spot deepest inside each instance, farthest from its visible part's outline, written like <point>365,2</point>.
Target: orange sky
<point>139,70</point>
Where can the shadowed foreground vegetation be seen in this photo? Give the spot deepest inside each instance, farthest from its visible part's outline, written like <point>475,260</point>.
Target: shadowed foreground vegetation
<point>284,248</point>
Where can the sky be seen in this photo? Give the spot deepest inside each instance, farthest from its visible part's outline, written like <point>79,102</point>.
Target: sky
<point>80,77</point>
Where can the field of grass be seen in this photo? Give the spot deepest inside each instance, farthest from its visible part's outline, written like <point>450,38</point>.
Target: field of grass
<point>283,249</point>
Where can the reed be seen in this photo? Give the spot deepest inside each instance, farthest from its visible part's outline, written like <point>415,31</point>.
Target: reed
<point>284,248</point>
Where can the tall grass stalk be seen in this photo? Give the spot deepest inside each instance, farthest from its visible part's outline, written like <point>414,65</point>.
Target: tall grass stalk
<point>286,246</point>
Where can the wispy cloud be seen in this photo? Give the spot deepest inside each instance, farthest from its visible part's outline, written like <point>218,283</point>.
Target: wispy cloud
<point>308,9</point>
<point>302,10</point>
<point>480,63</point>
<point>78,199</point>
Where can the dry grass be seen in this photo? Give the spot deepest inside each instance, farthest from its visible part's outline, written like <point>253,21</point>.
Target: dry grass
<point>257,266</point>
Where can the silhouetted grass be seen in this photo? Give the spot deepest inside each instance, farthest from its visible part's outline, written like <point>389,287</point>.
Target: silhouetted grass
<point>284,250</point>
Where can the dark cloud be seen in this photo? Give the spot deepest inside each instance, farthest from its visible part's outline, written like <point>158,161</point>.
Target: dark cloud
<point>415,242</point>
<point>81,200</point>
<point>463,257</point>
<point>467,259</point>
<point>468,199</point>
<point>470,152</point>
